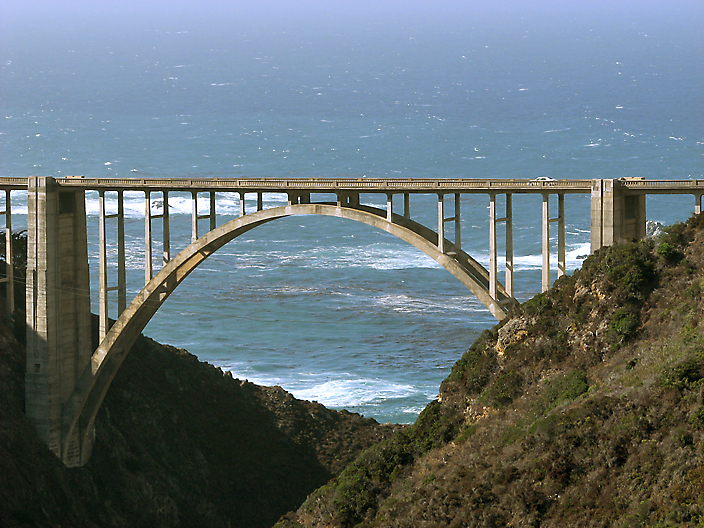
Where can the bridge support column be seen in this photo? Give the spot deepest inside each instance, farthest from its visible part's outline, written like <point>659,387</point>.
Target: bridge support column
<point>697,204</point>
<point>194,216</point>
<point>546,243</point>
<point>616,216</point>
<point>58,310</point>
<point>242,204</point>
<point>213,217</point>
<point>597,215</point>
<point>148,261</point>
<point>509,245</point>
<point>561,257</point>
<point>211,212</point>
<point>441,223</point>
<point>493,266</point>
<point>560,238</point>
<point>493,246</point>
<point>9,269</point>
<point>103,288</point>
<point>458,233</point>
<point>166,231</point>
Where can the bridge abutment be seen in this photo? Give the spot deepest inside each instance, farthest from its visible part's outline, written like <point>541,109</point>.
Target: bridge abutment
<point>616,215</point>
<point>58,310</point>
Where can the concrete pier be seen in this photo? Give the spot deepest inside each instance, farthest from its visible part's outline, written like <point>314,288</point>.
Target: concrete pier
<point>618,211</point>
<point>9,278</point>
<point>58,310</point>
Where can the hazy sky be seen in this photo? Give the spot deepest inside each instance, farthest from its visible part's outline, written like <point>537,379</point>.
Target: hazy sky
<point>14,11</point>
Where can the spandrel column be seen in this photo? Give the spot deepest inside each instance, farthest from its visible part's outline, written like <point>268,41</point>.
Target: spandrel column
<point>166,230</point>
<point>441,223</point>
<point>121,264</point>
<point>546,243</point>
<point>9,257</point>
<point>102,269</point>
<point>458,235</point>
<point>509,245</point>
<point>148,265</point>
<point>561,260</point>
<point>242,205</point>
<point>194,216</point>
<point>212,210</point>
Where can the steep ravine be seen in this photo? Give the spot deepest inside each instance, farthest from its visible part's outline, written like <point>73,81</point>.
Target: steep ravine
<point>179,443</point>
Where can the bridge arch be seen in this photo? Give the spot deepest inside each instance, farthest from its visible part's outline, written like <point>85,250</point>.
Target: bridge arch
<point>80,410</point>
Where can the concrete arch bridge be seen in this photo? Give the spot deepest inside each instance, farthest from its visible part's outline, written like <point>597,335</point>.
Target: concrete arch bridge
<point>67,380</point>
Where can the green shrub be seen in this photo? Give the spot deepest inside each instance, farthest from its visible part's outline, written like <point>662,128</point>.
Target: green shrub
<point>539,305</point>
<point>677,235</point>
<point>476,367</point>
<point>669,253</point>
<point>696,288</point>
<point>560,390</point>
<point>628,271</point>
<point>623,325</point>
<point>511,434</point>
<point>697,418</point>
<point>685,374</point>
<point>505,388</point>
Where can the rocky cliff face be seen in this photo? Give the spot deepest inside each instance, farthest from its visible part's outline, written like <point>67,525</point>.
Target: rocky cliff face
<point>583,408</point>
<point>179,443</point>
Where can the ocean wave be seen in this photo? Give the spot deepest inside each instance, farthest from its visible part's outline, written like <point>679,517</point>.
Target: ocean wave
<point>343,391</point>
<point>403,303</point>
<point>352,392</point>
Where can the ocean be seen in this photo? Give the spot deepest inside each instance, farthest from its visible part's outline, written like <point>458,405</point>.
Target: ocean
<point>330,310</point>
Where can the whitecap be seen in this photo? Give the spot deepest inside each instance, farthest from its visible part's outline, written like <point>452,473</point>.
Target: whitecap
<point>351,392</point>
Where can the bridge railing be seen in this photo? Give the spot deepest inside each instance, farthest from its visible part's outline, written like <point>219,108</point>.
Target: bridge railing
<point>667,186</point>
<point>13,183</point>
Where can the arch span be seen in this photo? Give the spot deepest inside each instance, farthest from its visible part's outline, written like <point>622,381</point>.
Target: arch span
<point>82,407</point>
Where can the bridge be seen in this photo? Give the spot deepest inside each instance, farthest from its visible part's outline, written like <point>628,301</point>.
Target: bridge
<point>66,379</point>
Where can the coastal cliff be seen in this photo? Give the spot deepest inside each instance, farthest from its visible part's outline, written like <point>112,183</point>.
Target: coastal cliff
<point>583,408</point>
<point>179,443</point>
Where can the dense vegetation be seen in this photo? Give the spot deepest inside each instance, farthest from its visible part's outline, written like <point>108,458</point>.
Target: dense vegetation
<point>583,408</point>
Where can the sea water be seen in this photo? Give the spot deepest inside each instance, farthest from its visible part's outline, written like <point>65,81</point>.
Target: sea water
<point>329,309</point>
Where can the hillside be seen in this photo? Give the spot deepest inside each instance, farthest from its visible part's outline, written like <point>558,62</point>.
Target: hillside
<point>179,443</point>
<point>583,408</point>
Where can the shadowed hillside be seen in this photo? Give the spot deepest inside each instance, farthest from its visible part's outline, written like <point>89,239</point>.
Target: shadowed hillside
<point>583,408</point>
<point>179,443</point>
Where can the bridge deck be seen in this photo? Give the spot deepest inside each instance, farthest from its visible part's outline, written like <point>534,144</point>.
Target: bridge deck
<point>370,185</point>
<point>330,185</point>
